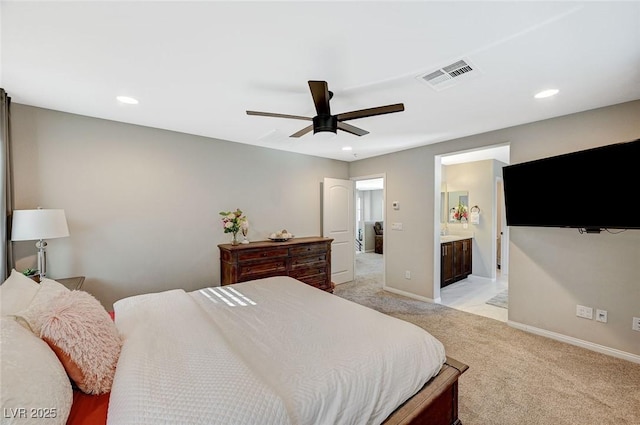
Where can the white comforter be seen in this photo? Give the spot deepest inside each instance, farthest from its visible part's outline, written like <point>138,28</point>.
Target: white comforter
<point>270,351</point>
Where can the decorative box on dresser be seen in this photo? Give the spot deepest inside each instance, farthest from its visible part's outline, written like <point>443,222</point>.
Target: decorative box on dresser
<point>306,259</point>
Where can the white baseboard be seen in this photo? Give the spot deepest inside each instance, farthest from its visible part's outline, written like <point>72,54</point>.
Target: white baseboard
<point>578,342</point>
<point>410,295</point>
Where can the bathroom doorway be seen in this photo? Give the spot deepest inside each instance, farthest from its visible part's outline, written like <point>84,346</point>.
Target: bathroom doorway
<point>485,291</point>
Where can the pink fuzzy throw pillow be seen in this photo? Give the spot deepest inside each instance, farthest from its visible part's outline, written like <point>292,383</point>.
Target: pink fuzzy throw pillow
<point>85,339</point>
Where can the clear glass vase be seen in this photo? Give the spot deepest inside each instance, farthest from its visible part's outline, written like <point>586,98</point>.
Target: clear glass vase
<point>234,238</point>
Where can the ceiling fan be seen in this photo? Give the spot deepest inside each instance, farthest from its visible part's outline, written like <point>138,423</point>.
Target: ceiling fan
<point>324,121</point>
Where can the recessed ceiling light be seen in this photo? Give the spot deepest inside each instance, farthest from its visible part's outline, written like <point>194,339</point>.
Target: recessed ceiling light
<point>546,93</point>
<point>347,148</point>
<point>128,100</point>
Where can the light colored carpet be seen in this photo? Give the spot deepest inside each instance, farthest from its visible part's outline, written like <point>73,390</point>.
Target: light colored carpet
<point>500,300</point>
<point>515,377</point>
<point>369,265</point>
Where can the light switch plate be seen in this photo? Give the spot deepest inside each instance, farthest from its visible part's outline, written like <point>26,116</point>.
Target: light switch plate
<point>396,226</point>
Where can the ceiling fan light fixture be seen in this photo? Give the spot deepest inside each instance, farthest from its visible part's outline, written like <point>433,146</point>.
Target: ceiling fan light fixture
<point>324,135</point>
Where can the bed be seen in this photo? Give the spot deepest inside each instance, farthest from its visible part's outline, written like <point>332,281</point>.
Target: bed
<point>269,351</point>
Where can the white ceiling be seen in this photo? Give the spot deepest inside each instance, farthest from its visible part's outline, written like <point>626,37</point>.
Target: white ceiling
<point>196,67</point>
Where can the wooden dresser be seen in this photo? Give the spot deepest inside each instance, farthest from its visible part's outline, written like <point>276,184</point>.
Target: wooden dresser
<point>306,259</point>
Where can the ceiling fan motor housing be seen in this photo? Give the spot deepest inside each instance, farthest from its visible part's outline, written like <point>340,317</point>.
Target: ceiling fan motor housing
<point>325,123</point>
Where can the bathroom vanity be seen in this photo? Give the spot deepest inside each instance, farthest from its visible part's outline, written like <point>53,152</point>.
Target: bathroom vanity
<point>455,258</point>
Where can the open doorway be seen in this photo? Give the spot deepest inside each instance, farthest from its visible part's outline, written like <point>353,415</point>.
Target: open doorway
<point>477,173</point>
<point>369,229</point>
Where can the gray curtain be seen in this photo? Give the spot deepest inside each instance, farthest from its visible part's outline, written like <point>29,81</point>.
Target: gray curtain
<point>6,187</point>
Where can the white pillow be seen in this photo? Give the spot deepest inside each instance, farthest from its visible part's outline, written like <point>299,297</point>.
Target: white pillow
<point>16,293</point>
<point>35,387</point>
<point>32,314</point>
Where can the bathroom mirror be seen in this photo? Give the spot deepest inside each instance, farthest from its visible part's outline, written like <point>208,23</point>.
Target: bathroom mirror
<point>455,198</point>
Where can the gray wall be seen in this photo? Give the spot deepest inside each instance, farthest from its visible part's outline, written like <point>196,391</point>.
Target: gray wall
<point>550,270</point>
<point>142,204</point>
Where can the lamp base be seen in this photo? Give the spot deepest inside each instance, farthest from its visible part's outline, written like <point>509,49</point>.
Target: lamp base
<point>42,258</point>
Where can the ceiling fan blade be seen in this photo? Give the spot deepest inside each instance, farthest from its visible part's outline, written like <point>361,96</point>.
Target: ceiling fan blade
<point>320,94</point>
<point>362,113</point>
<point>303,131</point>
<point>351,129</point>
<point>270,114</point>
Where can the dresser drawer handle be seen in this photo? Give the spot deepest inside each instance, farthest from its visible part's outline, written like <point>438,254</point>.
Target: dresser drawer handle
<point>264,254</point>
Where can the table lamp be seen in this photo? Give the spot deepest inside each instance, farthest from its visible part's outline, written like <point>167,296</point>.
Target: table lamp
<point>40,224</point>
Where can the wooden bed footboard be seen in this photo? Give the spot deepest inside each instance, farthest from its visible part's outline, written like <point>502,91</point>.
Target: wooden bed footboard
<point>436,403</point>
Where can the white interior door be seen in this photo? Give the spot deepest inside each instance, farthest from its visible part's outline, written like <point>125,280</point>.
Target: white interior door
<point>337,223</point>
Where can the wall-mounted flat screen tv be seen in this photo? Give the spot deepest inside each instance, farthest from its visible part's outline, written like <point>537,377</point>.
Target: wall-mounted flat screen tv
<point>591,189</point>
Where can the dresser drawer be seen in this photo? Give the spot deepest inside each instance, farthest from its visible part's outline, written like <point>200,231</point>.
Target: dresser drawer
<point>256,269</point>
<point>305,261</point>
<point>309,270</point>
<point>307,249</point>
<point>262,253</point>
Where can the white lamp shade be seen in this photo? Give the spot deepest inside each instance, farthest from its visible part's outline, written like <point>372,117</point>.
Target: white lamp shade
<point>29,225</point>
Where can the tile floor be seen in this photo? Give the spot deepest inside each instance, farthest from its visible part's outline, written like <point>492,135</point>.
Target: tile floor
<point>471,295</point>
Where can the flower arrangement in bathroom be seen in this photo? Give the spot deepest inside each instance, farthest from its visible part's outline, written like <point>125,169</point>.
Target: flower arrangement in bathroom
<point>461,213</point>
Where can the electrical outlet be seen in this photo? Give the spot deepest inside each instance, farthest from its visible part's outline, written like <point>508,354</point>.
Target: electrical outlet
<point>407,274</point>
<point>601,316</point>
<point>636,324</point>
<point>584,312</point>
<point>396,226</point>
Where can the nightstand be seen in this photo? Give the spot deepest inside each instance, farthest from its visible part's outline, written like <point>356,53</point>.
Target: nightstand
<point>75,282</point>
<point>72,283</point>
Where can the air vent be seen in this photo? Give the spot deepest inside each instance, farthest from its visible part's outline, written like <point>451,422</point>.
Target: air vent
<point>450,75</point>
